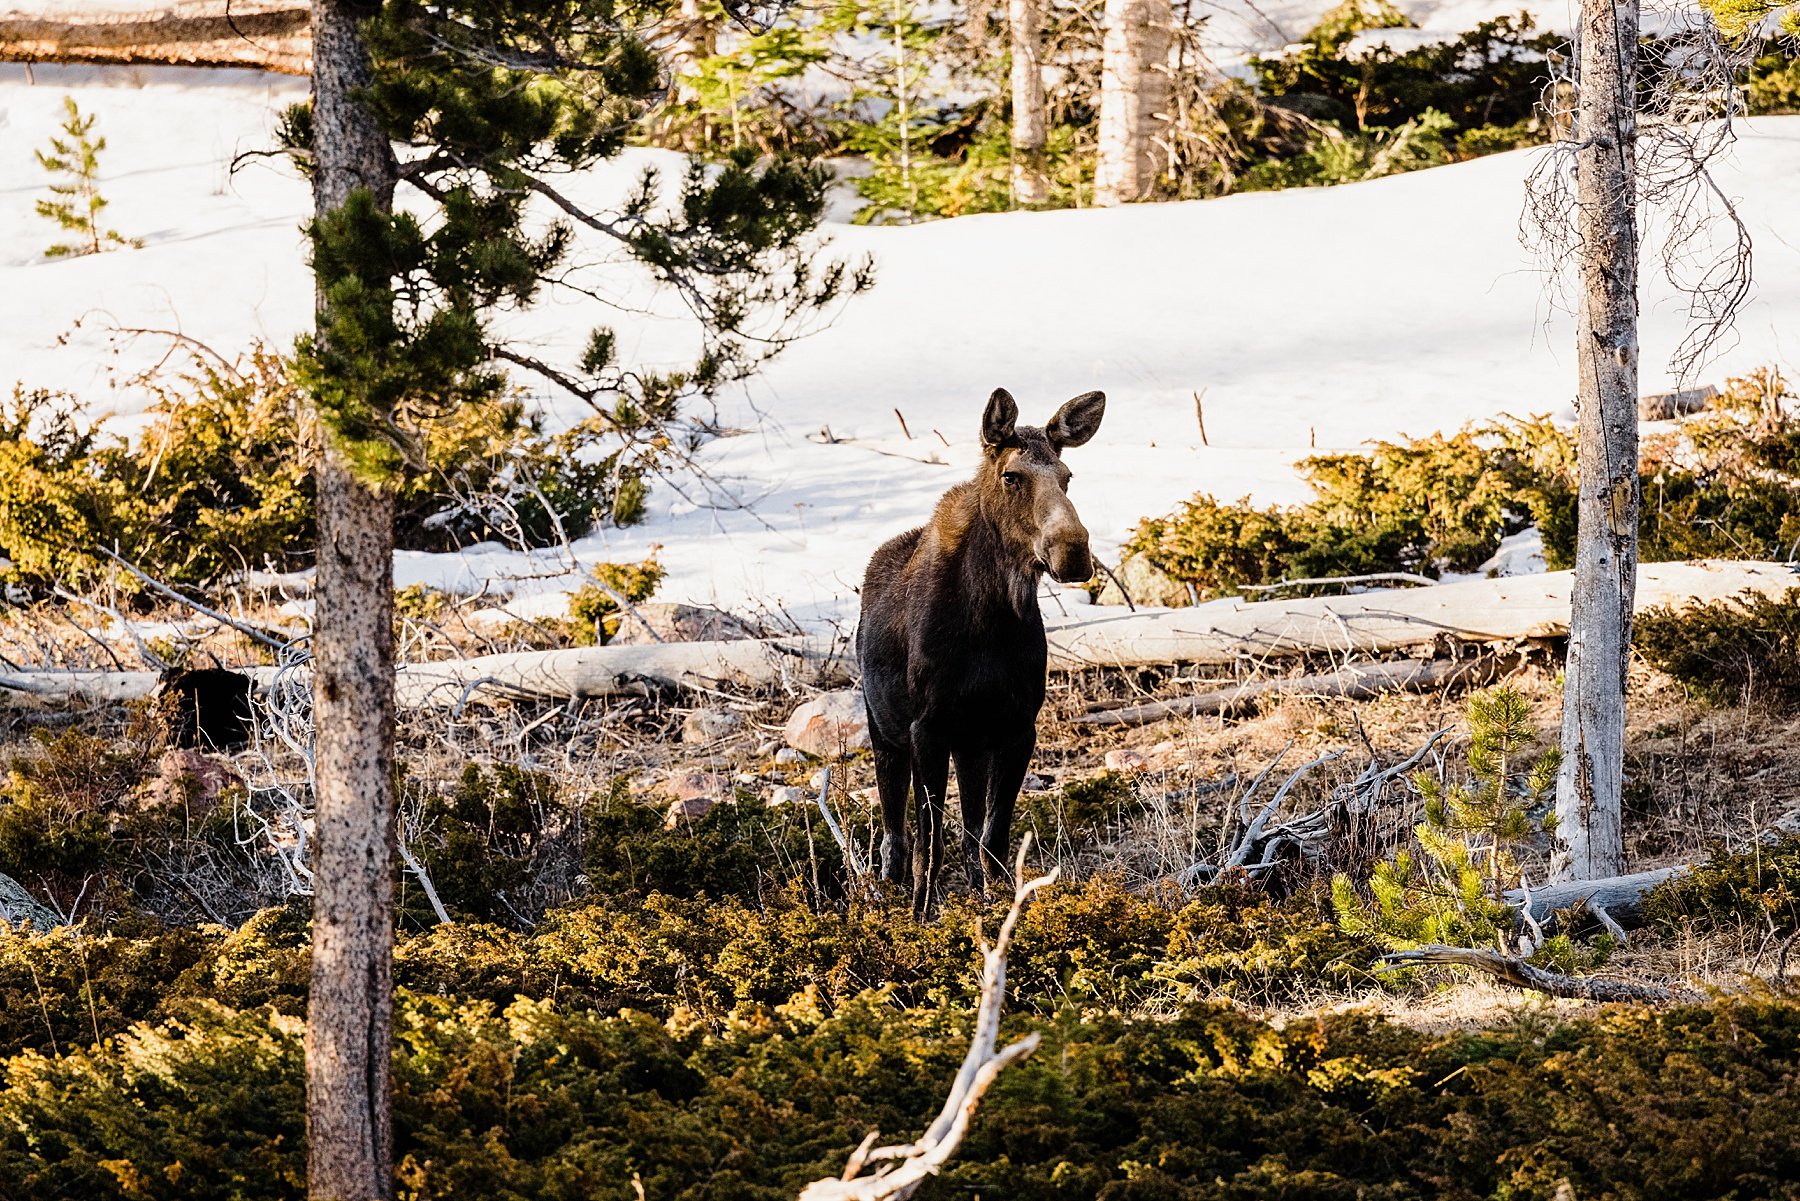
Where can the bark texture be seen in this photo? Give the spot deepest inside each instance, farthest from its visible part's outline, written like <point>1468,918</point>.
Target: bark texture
<point>349,1034</point>
<point>1591,779</point>
<point>1026,22</point>
<point>1134,100</point>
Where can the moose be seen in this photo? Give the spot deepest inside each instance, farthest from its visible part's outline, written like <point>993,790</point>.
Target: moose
<point>951,642</point>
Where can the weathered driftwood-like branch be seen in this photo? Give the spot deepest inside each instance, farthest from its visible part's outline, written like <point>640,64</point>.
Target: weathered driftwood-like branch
<point>1358,681</point>
<point>905,1166</point>
<point>1498,610</point>
<point>274,34</point>
<point>1620,897</point>
<point>1514,971</point>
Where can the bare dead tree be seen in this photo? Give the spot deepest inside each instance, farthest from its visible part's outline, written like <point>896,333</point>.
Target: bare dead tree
<point>1026,29</point>
<point>1627,146</point>
<point>905,1166</point>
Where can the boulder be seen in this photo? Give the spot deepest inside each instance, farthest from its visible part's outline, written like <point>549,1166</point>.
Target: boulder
<point>788,794</point>
<point>191,778</point>
<point>695,793</point>
<point>710,725</point>
<point>677,623</point>
<point>1147,584</point>
<point>18,907</point>
<point>1665,406</point>
<point>829,724</point>
<point>1126,760</point>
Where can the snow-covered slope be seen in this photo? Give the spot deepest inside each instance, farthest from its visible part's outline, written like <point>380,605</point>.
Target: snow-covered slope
<point>1307,318</point>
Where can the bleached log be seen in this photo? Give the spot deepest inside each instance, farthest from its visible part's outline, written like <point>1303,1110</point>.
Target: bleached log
<point>1516,972</point>
<point>1356,682</point>
<point>272,34</point>
<point>1509,609</point>
<point>1225,632</point>
<point>1622,897</point>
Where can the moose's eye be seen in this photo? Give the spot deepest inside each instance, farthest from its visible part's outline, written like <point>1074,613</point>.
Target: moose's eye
<point>1012,479</point>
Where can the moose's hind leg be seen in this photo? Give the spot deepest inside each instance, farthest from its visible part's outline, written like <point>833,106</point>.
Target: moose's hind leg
<point>973,768</point>
<point>931,780</point>
<point>1005,777</point>
<point>893,783</point>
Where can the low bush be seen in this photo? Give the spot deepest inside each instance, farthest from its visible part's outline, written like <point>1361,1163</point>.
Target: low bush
<point>221,480</point>
<point>1206,1104</point>
<point>1727,650</point>
<point>1756,889</point>
<point>1725,483</point>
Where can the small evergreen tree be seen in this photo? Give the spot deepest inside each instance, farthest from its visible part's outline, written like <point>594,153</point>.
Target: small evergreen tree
<point>75,159</point>
<point>1452,891</point>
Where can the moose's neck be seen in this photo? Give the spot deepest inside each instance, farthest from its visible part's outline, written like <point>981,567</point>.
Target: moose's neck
<point>998,578</point>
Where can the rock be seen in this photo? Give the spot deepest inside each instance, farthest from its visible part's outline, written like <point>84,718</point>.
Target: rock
<point>767,748</point>
<point>829,724</point>
<point>678,623</point>
<point>1037,783</point>
<point>18,907</point>
<point>787,756</point>
<point>690,810</point>
<point>788,794</point>
<point>693,785</point>
<point>1663,406</point>
<point>1127,760</point>
<point>190,778</point>
<point>820,778</point>
<point>710,725</point>
<point>1147,583</point>
<point>695,793</point>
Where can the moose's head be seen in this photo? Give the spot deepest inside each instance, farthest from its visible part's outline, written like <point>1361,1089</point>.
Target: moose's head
<point>1024,485</point>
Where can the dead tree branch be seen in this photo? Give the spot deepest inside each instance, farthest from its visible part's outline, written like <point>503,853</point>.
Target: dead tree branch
<point>907,1165</point>
<point>1516,972</point>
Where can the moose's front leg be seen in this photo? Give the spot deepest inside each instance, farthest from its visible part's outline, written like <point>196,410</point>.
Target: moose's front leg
<point>931,780</point>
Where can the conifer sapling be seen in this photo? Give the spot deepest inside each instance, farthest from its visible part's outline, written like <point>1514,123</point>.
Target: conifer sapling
<point>74,158</point>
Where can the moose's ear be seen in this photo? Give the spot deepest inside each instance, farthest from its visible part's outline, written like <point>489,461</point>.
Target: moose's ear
<point>998,422</point>
<point>1077,421</point>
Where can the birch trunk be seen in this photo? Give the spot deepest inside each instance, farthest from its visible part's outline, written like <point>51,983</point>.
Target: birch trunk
<point>1134,100</point>
<point>1026,21</point>
<point>1589,784</point>
<point>695,40</point>
<point>349,1033</point>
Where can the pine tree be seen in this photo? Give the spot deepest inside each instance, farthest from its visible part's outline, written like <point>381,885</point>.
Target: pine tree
<point>490,103</point>
<point>75,157</point>
<point>1452,891</point>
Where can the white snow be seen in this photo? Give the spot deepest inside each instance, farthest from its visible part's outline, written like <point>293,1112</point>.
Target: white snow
<point>1307,319</point>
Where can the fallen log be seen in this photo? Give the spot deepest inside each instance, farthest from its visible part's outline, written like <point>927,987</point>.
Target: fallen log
<point>1223,632</point>
<point>1620,897</point>
<point>272,34</point>
<point>1511,970</point>
<point>1509,609</point>
<point>1356,682</point>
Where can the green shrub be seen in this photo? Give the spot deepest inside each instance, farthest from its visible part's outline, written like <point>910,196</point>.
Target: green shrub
<point>1757,889</point>
<point>1726,483</point>
<point>594,608</point>
<point>1727,650</point>
<point>1430,504</point>
<point>1204,1104</point>
<point>222,480</point>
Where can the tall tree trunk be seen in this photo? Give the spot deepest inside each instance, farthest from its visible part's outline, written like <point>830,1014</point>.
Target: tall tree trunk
<point>695,41</point>
<point>349,1032</point>
<point>1591,779</point>
<point>1134,99</point>
<point>1026,19</point>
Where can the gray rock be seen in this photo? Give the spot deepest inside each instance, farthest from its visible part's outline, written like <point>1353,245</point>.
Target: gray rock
<point>710,725</point>
<point>18,907</point>
<point>678,623</point>
<point>1147,583</point>
<point>788,794</point>
<point>787,756</point>
<point>829,724</point>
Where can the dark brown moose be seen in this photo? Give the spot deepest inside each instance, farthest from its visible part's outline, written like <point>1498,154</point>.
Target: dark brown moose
<point>951,642</point>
